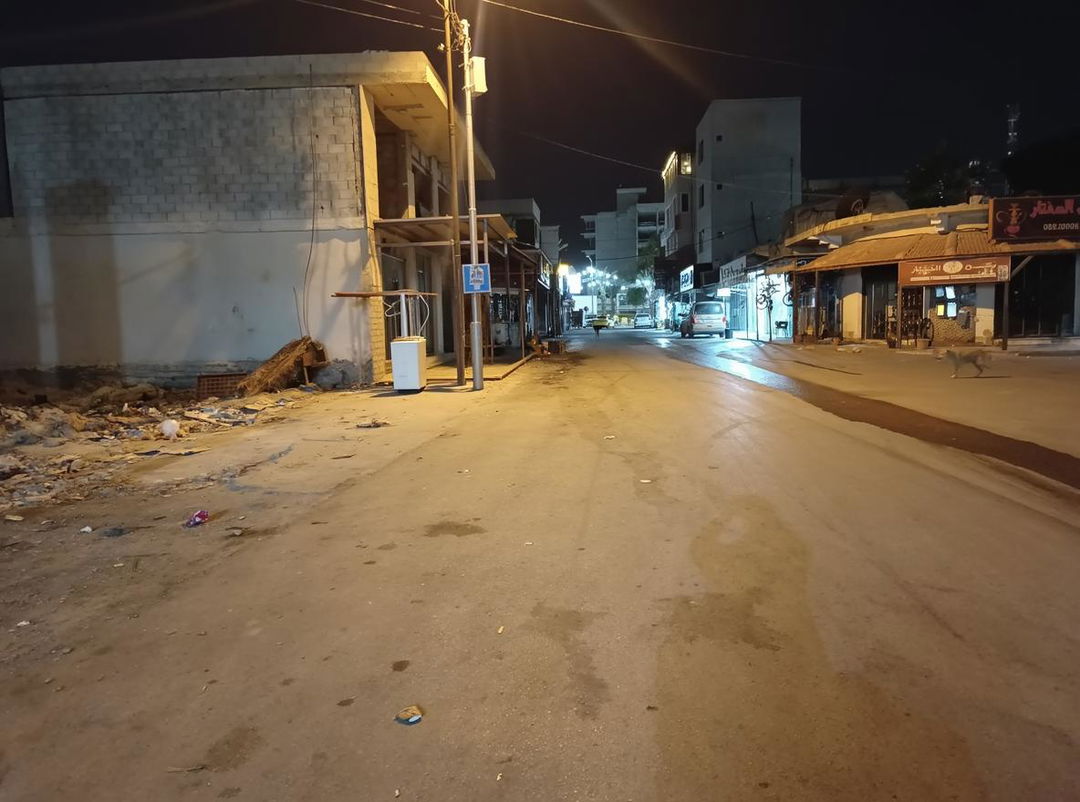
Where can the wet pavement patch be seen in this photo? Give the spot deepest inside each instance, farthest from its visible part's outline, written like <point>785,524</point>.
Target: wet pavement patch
<point>455,528</point>
<point>233,750</point>
<point>399,665</point>
<point>1047,462</point>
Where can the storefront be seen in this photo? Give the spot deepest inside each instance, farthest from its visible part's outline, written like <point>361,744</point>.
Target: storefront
<point>948,288</point>
<point>772,300</point>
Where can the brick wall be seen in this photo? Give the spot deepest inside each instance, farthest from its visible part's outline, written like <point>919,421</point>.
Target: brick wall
<point>200,157</point>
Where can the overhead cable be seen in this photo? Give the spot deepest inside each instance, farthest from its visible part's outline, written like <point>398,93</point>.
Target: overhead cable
<point>647,38</point>
<point>365,14</point>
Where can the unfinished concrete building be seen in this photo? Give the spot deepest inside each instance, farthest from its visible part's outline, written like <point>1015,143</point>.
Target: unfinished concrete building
<point>172,218</point>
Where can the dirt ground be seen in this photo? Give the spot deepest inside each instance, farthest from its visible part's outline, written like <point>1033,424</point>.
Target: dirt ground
<point>612,576</point>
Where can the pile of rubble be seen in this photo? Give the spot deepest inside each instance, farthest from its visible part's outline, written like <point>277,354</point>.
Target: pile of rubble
<point>98,434</point>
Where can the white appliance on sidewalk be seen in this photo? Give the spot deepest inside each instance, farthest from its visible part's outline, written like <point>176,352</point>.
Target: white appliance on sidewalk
<point>409,357</point>
<point>408,353</point>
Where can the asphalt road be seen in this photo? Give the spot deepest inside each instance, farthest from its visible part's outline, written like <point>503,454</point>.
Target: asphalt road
<point>614,576</point>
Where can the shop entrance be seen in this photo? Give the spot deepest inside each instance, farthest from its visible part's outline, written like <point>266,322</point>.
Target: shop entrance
<point>1041,298</point>
<point>879,286</point>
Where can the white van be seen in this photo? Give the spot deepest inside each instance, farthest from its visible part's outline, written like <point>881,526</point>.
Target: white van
<point>706,317</point>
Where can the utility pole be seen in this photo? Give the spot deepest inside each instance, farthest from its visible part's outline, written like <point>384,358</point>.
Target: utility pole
<point>477,327</point>
<point>457,282</point>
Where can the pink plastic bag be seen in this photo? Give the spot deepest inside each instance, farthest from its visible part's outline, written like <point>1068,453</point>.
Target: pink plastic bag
<point>198,517</point>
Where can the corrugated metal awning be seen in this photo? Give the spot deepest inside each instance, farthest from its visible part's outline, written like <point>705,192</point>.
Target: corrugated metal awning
<point>438,230</point>
<point>892,249</point>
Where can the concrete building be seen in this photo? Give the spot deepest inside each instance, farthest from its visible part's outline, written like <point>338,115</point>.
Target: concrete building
<point>179,217</point>
<point>615,239</point>
<point>677,237</point>
<point>748,166</point>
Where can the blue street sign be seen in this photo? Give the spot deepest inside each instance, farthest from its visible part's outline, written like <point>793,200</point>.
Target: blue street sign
<point>477,278</point>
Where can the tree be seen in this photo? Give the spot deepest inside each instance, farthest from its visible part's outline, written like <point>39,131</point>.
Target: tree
<point>1051,167</point>
<point>637,296</point>
<point>646,261</point>
<point>937,179</point>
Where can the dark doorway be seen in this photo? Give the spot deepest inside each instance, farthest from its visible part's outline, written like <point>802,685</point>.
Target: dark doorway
<point>393,276</point>
<point>423,283</point>
<point>879,287</point>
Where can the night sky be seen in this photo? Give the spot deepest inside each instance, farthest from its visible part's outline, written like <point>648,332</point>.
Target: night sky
<point>880,85</point>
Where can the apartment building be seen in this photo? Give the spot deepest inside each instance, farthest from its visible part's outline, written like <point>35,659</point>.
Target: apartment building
<point>615,239</point>
<point>747,174</point>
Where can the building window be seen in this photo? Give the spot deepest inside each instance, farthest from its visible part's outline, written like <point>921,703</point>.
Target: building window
<point>701,196</point>
<point>701,240</point>
<point>951,302</point>
<point>701,151</point>
<point>686,201</point>
<point>719,137</point>
<point>686,164</point>
<point>719,187</point>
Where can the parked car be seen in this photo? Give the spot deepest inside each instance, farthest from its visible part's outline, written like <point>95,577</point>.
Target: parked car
<point>706,317</point>
<point>642,320</point>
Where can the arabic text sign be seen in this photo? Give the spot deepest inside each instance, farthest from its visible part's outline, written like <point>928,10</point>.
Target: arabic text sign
<point>1032,218</point>
<point>686,279</point>
<point>960,270</point>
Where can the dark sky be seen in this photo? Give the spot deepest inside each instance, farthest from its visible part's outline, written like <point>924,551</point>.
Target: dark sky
<point>882,83</point>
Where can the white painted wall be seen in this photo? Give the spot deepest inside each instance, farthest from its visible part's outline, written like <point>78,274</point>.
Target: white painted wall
<point>177,299</point>
<point>851,295</point>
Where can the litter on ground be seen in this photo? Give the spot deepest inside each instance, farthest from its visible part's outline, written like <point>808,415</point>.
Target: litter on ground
<point>409,716</point>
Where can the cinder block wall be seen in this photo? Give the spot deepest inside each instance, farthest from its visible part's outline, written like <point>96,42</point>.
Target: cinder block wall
<point>185,157</point>
<point>169,231</point>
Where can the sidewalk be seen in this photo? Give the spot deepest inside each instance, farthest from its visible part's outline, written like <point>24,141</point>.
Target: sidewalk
<point>1018,396</point>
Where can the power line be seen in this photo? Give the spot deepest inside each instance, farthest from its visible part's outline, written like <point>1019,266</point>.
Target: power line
<point>396,8</point>
<point>657,173</point>
<point>654,39</point>
<point>586,152</point>
<point>365,14</point>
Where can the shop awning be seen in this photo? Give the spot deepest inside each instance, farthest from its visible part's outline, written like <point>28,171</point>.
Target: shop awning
<point>432,231</point>
<point>892,249</point>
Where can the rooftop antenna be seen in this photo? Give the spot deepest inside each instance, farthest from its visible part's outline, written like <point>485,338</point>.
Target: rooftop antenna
<point>1012,140</point>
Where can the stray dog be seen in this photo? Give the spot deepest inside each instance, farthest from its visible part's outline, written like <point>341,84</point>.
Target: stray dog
<point>977,358</point>
<point>539,347</point>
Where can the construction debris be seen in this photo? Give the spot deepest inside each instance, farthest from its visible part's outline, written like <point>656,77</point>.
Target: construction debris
<point>75,447</point>
<point>287,368</point>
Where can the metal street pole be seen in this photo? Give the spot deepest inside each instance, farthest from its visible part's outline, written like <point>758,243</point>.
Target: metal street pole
<point>457,283</point>
<point>477,327</point>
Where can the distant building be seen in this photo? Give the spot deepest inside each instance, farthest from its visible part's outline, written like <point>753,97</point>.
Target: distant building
<point>614,240</point>
<point>523,215</point>
<point>748,164</point>
<point>677,234</point>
